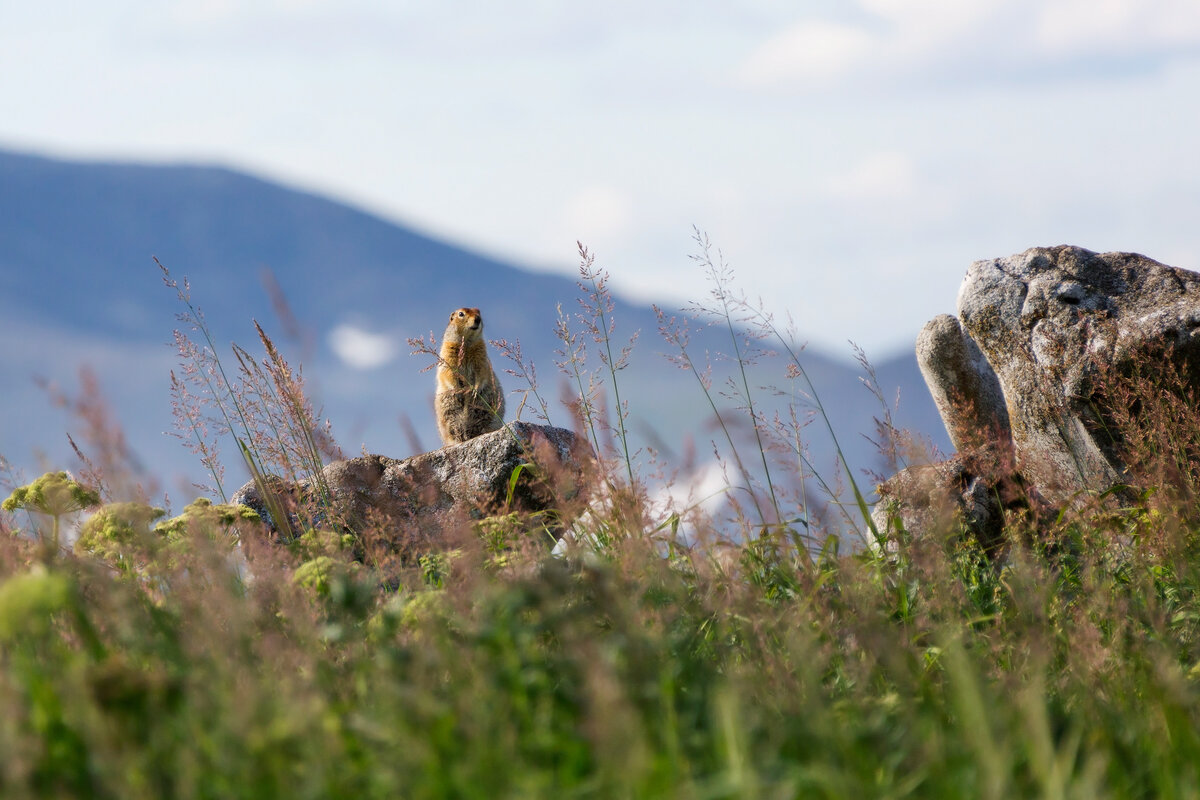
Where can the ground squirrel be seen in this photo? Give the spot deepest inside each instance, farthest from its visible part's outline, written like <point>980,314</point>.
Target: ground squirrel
<point>469,400</point>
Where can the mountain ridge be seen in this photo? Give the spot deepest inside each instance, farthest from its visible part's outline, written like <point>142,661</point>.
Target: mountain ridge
<point>77,242</point>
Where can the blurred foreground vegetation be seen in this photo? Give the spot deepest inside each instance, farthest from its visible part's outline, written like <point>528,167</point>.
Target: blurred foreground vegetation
<point>1068,670</point>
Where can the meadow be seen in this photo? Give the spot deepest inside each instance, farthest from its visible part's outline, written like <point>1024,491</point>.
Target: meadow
<point>759,644</point>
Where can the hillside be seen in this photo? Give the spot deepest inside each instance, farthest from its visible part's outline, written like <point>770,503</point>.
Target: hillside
<point>78,286</point>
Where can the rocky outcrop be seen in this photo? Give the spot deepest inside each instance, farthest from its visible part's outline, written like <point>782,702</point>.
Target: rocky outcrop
<point>1051,321</point>
<point>427,498</point>
<point>1041,330</point>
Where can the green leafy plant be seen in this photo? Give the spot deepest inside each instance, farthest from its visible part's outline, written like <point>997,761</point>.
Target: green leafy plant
<point>56,495</point>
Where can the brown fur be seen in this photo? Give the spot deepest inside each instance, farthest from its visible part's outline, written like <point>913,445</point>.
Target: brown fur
<point>469,400</point>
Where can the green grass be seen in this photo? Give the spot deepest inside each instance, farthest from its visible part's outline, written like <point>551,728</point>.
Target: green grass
<point>156,660</point>
<point>1070,670</point>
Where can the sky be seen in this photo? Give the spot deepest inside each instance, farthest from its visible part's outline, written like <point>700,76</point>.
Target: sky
<point>848,158</point>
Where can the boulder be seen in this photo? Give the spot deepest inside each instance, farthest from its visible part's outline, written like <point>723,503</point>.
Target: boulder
<point>429,498</point>
<point>1019,377</point>
<point>1050,322</point>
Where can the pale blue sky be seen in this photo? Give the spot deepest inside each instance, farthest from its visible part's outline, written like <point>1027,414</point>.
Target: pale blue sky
<point>850,158</point>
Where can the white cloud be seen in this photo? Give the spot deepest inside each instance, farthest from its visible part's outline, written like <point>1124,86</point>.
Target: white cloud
<point>880,176</point>
<point>810,53</point>
<point>360,349</point>
<point>945,40</point>
<point>1138,25</point>
<point>203,12</point>
<point>934,17</point>
<point>599,214</point>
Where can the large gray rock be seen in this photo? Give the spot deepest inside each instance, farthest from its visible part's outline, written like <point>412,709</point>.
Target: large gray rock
<point>1020,376</point>
<point>432,497</point>
<point>1050,322</point>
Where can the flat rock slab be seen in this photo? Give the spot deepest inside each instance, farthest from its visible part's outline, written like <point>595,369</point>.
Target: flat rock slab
<point>432,497</point>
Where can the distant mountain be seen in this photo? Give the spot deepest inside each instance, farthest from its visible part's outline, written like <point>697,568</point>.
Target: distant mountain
<point>78,286</point>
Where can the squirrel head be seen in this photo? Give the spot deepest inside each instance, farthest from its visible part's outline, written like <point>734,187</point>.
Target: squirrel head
<point>467,321</point>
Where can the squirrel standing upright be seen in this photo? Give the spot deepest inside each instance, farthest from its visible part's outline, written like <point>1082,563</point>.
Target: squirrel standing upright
<point>469,400</point>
